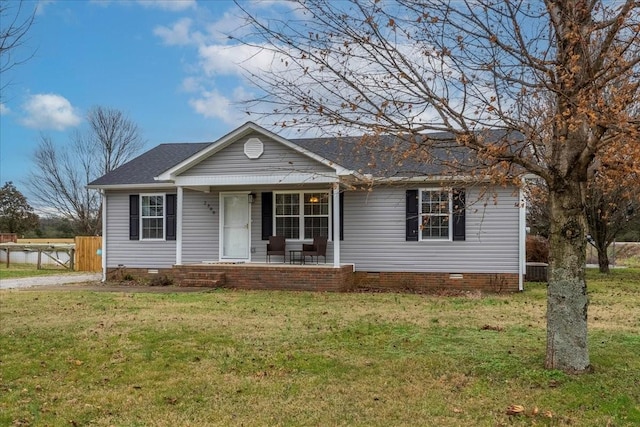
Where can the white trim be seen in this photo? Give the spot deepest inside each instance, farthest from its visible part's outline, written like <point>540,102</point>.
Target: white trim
<point>450,213</point>
<point>221,225</point>
<point>522,239</point>
<point>301,216</point>
<point>336,225</point>
<point>179,201</point>
<point>158,185</point>
<point>104,235</point>
<point>164,218</point>
<point>428,179</point>
<point>270,179</point>
<point>231,137</point>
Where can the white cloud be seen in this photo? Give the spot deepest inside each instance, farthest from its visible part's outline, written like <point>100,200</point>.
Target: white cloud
<point>218,59</point>
<point>229,24</point>
<point>42,4</point>
<point>177,34</point>
<point>4,109</point>
<point>49,111</point>
<point>170,5</point>
<point>191,84</point>
<point>214,105</point>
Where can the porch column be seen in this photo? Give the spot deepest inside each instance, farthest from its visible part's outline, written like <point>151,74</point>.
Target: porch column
<point>104,252</point>
<point>179,200</point>
<point>336,225</point>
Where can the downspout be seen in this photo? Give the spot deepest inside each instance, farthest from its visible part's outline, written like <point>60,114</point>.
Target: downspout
<point>104,235</point>
<point>179,200</point>
<point>336,225</point>
<point>522,235</point>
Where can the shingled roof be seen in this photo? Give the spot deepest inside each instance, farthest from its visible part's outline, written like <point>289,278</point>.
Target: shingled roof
<point>387,156</point>
<point>382,156</point>
<point>144,168</point>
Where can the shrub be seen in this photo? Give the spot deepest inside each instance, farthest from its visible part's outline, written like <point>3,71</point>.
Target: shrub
<point>161,281</point>
<point>537,249</point>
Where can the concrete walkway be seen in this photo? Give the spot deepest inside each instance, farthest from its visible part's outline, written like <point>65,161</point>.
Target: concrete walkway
<point>55,280</point>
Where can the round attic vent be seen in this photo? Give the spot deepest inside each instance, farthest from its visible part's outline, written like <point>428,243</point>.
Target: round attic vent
<point>253,148</point>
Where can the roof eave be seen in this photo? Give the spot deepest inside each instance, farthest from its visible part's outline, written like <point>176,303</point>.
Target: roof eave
<point>163,184</point>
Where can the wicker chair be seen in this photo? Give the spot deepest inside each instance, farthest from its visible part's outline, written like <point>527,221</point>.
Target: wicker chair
<point>276,246</point>
<point>317,249</point>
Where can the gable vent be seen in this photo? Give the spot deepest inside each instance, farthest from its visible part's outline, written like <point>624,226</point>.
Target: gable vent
<point>253,148</point>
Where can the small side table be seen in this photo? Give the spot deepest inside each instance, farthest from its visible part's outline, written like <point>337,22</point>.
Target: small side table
<point>295,257</point>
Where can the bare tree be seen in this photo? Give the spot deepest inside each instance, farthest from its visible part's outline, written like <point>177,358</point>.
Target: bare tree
<point>61,175</point>
<point>612,207</point>
<point>609,213</point>
<point>562,73</point>
<point>14,25</point>
<point>112,136</point>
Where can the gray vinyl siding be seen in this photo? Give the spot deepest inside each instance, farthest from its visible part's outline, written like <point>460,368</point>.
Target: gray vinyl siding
<point>276,158</point>
<point>374,235</point>
<point>133,253</point>
<point>200,226</point>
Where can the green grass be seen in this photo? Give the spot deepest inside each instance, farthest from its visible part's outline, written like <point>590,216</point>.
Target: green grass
<point>295,358</point>
<point>16,271</point>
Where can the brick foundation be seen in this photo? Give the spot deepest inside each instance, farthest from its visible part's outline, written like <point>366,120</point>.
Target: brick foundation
<point>317,278</point>
<point>252,276</point>
<point>424,282</point>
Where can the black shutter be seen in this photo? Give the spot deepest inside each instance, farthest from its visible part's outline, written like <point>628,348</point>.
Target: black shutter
<point>171,217</point>
<point>341,217</point>
<point>134,217</point>
<point>412,216</point>
<point>267,215</point>
<point>459,214</point>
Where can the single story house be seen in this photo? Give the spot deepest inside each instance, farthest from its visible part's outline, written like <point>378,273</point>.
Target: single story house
<point>203,213</point>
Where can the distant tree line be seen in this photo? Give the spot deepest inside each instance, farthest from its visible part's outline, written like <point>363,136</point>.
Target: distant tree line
<point>17,216</point>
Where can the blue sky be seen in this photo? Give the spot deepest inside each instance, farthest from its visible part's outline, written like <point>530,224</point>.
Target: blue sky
<point>167,64</point>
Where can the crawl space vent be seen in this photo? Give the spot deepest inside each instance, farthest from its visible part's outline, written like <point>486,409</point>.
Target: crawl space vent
<point>253,148</point>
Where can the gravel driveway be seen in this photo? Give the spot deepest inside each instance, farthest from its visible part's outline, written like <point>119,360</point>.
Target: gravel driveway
<point>62,279</point>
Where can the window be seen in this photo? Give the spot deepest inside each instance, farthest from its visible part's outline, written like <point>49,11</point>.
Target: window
<point>300,215</point>
<point>435,214</point>
<point>152,216</point>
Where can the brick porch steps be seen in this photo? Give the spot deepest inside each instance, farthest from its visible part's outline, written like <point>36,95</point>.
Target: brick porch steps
<point>204,279</point>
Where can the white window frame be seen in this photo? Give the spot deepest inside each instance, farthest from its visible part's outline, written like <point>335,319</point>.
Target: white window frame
<point>421,215</point>
<point>301,216</point>
<point>164,216</point>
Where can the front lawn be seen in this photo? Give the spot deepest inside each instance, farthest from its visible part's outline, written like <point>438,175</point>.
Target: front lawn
<point>256,358</point>
<point>16,271</point>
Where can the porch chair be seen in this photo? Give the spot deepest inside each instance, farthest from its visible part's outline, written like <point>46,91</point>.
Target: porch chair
<point>317,249</point>
<point>276,246</point>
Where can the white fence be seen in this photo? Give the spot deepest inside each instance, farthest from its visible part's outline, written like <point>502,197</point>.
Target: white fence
<point>31,257</point>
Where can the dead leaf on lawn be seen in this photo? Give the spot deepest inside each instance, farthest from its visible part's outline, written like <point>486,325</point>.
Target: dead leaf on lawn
<point>171,400</point>
<point>515,410</point>
<point>492,328</point>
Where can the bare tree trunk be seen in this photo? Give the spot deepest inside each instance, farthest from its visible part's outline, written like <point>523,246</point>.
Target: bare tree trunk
<point>567,300</point>
<point>603,260</point>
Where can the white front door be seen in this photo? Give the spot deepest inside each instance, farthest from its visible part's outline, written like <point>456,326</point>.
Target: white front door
<point>235,228</point>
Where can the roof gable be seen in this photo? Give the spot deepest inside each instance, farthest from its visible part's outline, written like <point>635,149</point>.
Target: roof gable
<point>247,129</point>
